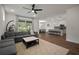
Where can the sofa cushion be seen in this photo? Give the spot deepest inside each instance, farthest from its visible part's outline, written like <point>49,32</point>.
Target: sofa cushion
<point>9,34</point>
<point>9,50</point>
<point>7,47</point>
<point>5,43</point>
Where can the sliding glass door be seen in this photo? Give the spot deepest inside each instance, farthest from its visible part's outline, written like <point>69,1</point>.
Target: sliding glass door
<point>24,26</point>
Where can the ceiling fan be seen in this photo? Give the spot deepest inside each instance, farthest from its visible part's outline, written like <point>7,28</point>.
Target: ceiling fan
<point>33,9</point>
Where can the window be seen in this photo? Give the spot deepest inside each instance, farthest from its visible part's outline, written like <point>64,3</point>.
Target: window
<point>24,26</point>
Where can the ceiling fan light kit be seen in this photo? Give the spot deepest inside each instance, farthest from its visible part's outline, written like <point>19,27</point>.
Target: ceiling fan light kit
<point>33,11</point>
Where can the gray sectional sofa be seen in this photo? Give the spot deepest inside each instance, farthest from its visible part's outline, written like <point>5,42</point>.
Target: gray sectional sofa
<point>7,43</point>
<point>17,36</point>
<point>7,47</point>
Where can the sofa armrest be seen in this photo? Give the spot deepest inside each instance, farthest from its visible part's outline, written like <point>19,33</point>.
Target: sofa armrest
<point>7,47</point>
<point>7,42</point>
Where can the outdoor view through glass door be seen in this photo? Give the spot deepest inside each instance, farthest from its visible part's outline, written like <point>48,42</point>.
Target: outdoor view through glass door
<point>24,26</point>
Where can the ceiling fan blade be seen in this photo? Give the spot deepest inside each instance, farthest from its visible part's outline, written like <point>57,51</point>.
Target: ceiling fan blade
<point>26,8</point>
<point>38,9</point>
<point>33,6</point>
<point>35,12</point>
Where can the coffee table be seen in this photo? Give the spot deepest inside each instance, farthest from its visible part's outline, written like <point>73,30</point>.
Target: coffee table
<point>30,41</point>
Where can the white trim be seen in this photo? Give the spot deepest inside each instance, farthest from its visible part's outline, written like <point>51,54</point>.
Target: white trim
<point>72,41</point>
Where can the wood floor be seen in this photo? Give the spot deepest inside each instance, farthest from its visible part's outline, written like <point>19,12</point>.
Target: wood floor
<point>61,41</point>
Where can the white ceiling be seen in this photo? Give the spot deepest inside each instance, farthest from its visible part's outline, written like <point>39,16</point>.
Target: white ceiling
<point>48,9</point>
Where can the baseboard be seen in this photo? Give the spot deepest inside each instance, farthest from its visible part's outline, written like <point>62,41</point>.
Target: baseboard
<point>76,42</point>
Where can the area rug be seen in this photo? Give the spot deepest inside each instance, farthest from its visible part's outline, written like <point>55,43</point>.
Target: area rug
<point>44,48</point>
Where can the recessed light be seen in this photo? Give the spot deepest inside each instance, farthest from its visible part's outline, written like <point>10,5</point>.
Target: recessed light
<point>12,10</point>
<point>42,21</point>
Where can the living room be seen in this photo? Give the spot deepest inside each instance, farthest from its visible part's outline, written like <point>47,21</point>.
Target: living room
<point>48,27</point>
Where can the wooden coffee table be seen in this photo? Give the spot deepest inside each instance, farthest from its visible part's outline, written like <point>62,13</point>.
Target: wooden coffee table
<point>30,41</point>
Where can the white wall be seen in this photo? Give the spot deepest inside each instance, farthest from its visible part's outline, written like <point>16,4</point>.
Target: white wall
<point>73,25</point>
<point>9,17</point>
<point>2,20</point>
<point>36,25</point>
<point>42,24</point>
